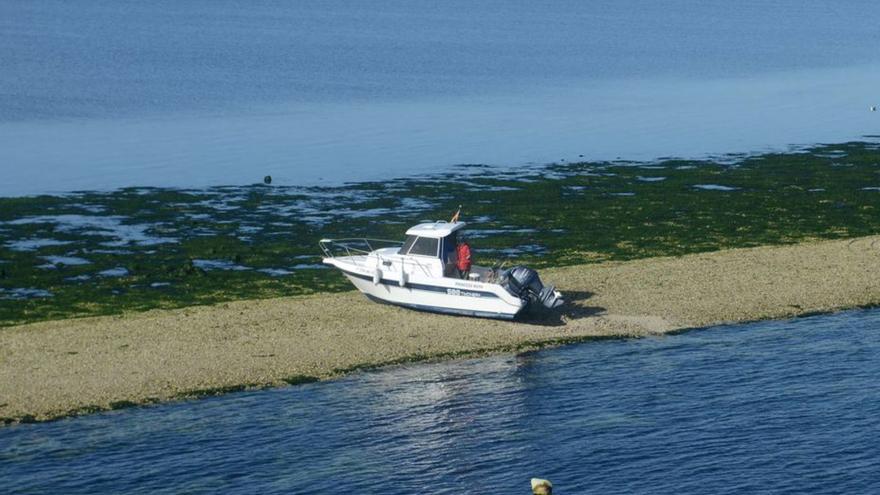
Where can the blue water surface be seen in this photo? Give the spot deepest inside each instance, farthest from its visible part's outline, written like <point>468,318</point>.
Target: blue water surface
<point>775,407</point>
<point>100,94</point>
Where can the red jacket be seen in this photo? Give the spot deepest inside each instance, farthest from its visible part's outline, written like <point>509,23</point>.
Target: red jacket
<point>464,257</point>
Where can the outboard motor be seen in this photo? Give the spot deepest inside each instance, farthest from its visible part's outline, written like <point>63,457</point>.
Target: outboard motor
<point>523,282</point>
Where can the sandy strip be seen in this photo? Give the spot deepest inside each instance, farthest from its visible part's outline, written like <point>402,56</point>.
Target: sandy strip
<point>53,369</point>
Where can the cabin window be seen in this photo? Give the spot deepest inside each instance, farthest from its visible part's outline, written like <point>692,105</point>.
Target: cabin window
<point>410,240</point>
<point>425,246</point>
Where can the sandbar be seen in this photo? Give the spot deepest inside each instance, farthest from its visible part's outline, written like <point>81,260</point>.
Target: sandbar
<point>60,368</point>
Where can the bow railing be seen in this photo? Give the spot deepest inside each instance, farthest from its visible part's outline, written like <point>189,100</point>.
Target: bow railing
<point>354,246</point>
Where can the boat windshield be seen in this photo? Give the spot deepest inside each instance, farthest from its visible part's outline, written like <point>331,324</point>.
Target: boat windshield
<point>410,240</point>
<point>420,246</point>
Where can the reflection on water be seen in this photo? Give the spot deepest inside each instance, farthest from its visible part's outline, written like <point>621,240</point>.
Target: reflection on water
<point>775,407</point>
<point>210,93</point>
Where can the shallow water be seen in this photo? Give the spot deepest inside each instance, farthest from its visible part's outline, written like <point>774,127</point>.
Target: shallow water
<point>100,95</point>
<point>774,407</point>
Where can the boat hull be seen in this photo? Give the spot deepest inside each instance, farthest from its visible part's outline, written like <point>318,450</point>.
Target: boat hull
<point>437,298</point>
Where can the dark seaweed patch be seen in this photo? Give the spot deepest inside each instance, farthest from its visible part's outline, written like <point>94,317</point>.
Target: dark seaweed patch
<point>165,248</point>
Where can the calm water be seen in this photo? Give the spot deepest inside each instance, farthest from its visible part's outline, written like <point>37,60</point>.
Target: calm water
<point>777,407</point>
<point>103,94</point>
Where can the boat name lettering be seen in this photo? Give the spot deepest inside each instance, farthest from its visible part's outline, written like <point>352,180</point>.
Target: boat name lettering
<point>470,286</point>
<point>459,292</point>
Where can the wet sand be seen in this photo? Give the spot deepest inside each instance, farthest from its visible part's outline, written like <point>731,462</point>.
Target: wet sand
<point>54,369</point>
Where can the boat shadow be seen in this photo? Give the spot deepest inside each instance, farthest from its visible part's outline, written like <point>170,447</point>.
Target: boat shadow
<point>574,308</point>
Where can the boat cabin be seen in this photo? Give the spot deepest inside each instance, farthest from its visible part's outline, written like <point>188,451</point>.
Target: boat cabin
<point>436,242</point>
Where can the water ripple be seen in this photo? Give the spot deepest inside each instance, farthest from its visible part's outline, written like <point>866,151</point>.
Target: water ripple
<point>780,407</point>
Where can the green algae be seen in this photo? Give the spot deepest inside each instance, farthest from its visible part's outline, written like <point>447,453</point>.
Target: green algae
<point>222,390</point>
<point>166,248</point>
<point>293,380</point>
<point>300,379</point>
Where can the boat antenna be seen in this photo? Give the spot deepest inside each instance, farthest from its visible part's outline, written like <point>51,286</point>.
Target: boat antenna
<point>455,217</point>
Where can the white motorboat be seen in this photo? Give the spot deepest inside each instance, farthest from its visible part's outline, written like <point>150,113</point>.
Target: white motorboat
<point>421,273</point>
